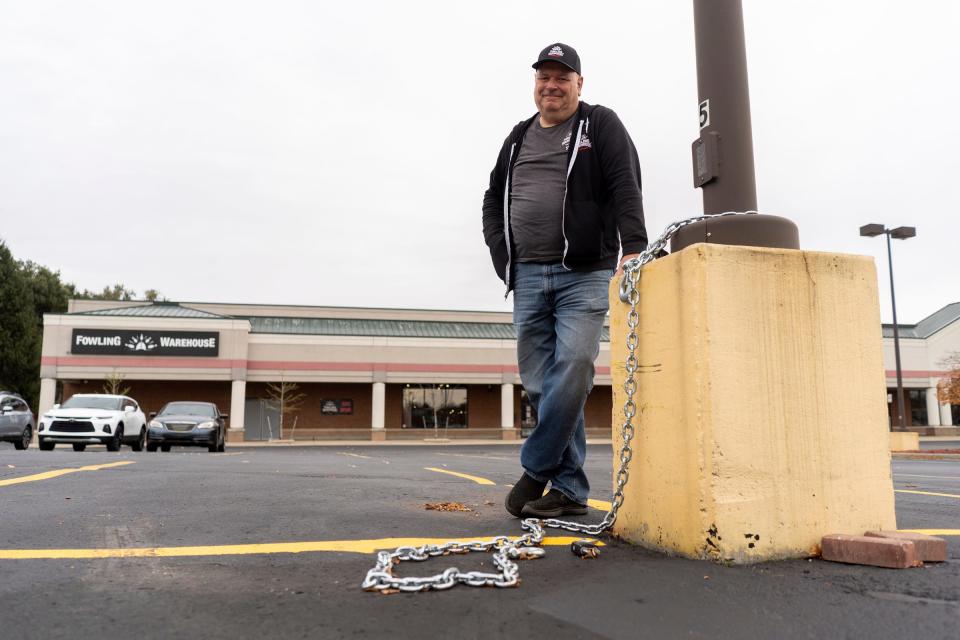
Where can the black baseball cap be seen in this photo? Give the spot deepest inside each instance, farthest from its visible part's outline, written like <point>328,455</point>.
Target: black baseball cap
<point>559,52</point>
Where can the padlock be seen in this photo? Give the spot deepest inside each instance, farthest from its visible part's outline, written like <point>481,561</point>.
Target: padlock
<point>585,548</point>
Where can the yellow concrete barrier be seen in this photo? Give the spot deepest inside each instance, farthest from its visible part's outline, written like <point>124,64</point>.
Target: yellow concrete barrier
<point>763,421</point>
<point>904,441</point>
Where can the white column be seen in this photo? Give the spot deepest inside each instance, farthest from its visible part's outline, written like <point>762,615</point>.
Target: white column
<point>933,408</point>
<point>238,402</point>
<point>48,392</point>
<point>946,415</point>
<point>379,405</point>
<point>506,406</point>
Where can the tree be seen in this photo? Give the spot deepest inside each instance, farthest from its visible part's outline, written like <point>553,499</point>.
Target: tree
<point>19,333</point>
<point>948,390</point>
<point>113,384</point>
<point>286,398</point>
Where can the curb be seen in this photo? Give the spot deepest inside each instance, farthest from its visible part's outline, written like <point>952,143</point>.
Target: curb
<point>919,455</point>
<point>264,444</point>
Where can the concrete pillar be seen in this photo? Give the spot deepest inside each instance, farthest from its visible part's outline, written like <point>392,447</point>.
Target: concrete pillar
<point>933,408</point>
<point>238,403</point>
<point>946,415</point>
<point>48,395</point>
<point>379,406</point>
<point>744,450</point>
<point>506,406</point>
<point>48,392</point>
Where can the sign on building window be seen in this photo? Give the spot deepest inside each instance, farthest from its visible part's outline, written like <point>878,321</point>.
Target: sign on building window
<point>336,407</point>
<point>123,342</point>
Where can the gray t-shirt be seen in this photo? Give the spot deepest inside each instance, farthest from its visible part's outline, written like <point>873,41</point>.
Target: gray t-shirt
<point>536,193</point>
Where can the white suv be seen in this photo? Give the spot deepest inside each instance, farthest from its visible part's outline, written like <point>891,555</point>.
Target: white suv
<point>89,418</point>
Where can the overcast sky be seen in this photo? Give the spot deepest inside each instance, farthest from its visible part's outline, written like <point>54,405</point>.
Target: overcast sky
<point>337,153</point>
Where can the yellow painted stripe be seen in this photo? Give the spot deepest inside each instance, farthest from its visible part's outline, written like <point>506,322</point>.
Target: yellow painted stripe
<point>602,505</point>
<point>934,532</point>
<point>47,475</point>
<point>928,493</point>
<point>476,479</point>
<point>347,546</point>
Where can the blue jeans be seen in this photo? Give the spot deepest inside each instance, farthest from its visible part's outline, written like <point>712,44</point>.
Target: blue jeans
<point>558,315</point>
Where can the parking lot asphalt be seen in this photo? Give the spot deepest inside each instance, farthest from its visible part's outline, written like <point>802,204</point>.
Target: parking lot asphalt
<point>274,542</point>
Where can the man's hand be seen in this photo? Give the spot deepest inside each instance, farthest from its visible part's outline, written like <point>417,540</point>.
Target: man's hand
<point>622,260</point>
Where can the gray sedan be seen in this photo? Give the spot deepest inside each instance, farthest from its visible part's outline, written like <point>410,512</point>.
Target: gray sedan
<point>198,424</point>
<point>16,420</point>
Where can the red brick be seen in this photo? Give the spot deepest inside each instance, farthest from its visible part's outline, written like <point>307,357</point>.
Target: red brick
<point>929,548</point>
<point>877,552</point>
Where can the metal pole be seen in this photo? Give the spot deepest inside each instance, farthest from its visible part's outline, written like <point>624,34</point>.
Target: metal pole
<point>722,80</point>
<point>896,340</point>
<point>723,163</point>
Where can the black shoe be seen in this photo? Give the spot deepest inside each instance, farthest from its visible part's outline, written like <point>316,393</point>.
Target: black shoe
<point>552,505</point>
<point>524,491</point>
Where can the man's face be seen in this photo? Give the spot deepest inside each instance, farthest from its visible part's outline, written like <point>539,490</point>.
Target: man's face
<point>556,90</point>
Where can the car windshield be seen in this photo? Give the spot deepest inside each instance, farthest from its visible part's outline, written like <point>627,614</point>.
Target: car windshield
<point>188,408</point>
<point>93,402</point>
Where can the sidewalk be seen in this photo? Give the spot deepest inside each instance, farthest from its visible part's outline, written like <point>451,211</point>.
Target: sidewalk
<point>426,442</point>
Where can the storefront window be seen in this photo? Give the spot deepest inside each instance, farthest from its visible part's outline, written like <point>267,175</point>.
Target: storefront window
<point>428,406</point>
<point>528,415</point>
<point>918,407</point>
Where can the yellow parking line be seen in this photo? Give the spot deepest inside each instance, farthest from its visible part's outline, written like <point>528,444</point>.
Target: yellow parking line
<point>928,493</point>
<point>934,532</point>
<point>602,505</point>
<point>347,546</point>
<point>46,475</point>
<point>476,479</point>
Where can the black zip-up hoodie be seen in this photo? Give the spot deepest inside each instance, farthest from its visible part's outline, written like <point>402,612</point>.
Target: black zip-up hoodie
<point>602,206</point>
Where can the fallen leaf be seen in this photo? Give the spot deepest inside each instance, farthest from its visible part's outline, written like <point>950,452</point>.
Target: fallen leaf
<point>445,506</point>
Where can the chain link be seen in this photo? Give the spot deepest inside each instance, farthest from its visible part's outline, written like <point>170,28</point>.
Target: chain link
<point>527,546</point>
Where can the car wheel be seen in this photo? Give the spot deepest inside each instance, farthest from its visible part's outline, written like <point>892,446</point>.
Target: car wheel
<point>46,446</point>
<point>151,447</point>
<point>24,440</point>
<point>113,444</point>
<point>165,448</point>
<point>79,446</point>
<point>141,440</point>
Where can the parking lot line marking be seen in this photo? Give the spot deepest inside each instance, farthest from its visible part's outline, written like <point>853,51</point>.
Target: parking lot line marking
<point>46,475</point>
<point>928,493</point>
<point>476,479</point>
<point>355,455</point>
<point>934,532</point>
<point>347,546</point>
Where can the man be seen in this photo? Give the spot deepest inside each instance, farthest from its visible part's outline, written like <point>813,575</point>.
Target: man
<point>564,199</point>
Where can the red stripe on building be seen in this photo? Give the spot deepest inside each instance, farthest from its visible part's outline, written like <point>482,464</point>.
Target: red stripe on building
<point>892,373</point>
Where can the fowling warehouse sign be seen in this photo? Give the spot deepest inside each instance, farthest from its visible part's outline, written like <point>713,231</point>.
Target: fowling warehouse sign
<point>121,342</point>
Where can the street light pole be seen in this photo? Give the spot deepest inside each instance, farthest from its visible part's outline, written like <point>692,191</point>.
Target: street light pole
<point>896,342</point>
<point>723,165</point>
<point>900,233</point>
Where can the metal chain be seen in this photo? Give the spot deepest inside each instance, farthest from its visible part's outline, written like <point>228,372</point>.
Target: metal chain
<point>527,546</point>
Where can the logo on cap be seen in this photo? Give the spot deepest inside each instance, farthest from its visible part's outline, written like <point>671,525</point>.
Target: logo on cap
<point>556,52</point>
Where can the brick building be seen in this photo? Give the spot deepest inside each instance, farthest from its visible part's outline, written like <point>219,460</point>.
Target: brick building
<point>364,373</point>
<point>371,373</point>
